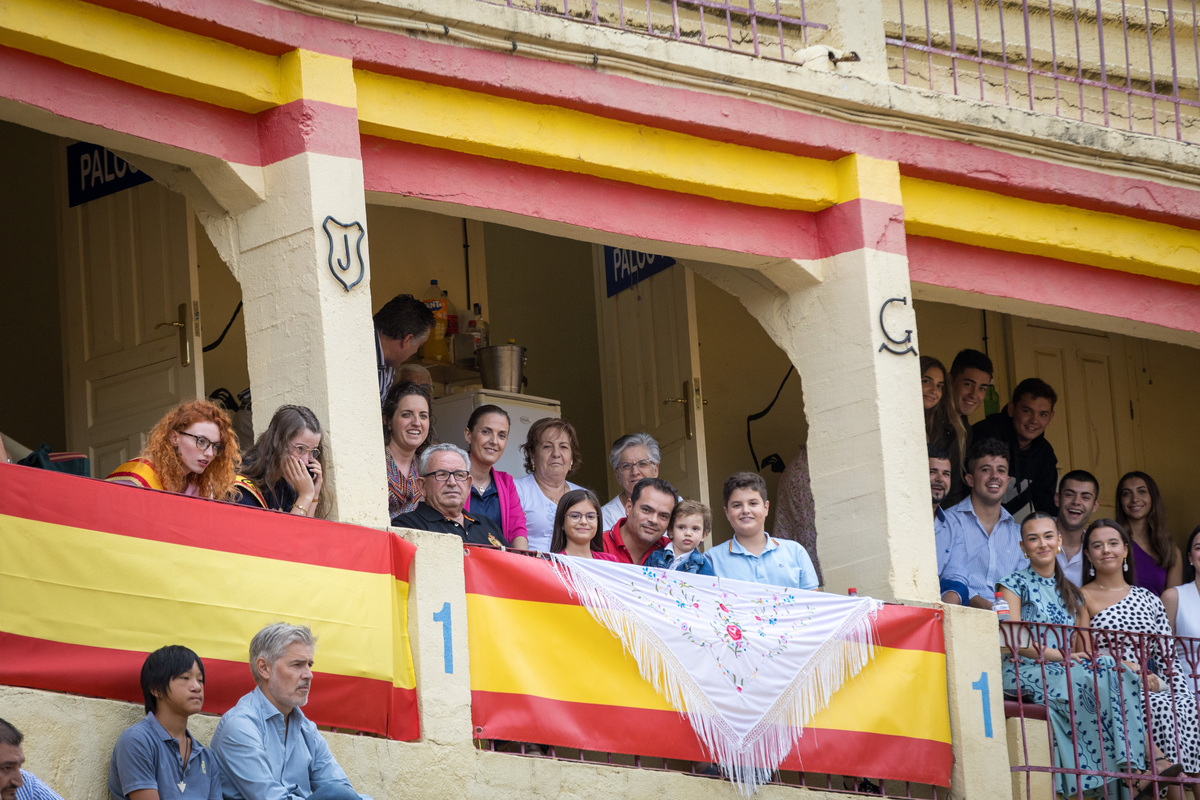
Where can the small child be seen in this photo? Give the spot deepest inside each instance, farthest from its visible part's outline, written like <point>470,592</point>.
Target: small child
<point>690,523</point>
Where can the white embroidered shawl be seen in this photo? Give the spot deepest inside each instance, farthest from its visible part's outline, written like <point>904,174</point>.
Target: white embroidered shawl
<point>748,663</point>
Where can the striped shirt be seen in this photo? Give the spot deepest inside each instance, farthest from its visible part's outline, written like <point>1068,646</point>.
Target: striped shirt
<point>34,789</point>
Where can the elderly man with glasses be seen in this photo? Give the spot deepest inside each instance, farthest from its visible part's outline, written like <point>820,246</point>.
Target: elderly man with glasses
<point>444,480</point>
<point>634,456</point>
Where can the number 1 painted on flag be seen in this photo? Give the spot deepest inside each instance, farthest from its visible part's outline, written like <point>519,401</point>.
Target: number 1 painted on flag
<point>443,617</point>
<point>982,686</point>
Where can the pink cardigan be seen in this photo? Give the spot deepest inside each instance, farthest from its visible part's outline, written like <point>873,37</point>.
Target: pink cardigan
<point>512,516</point>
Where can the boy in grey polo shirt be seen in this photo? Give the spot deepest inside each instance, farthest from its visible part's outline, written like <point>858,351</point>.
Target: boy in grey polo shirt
<point>158,757</point>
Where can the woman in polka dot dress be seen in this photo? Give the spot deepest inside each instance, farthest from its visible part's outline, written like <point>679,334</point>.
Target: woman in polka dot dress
<point>1115,605</point>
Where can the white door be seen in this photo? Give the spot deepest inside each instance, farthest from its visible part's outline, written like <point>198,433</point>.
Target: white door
<point>1093,420</point>
<point>650,364</point>
<point>131,327</point>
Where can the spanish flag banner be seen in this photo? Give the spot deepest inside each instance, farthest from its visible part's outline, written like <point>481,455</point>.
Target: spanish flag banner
<point>94,576</point>
<point>544,670</point>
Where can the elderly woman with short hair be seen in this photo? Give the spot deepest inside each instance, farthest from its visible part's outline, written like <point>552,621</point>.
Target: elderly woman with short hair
<point>634,456</point>
<point>551,454</point>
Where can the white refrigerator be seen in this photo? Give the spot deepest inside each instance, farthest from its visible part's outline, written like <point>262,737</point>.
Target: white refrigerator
<point>451,413</point>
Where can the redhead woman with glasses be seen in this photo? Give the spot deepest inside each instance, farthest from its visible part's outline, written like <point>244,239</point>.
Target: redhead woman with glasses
<point>191,451</point>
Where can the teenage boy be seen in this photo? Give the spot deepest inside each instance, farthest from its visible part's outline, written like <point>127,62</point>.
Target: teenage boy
<point>1077,499</point>
<point>690,523</point>
<point>1033,466</point>
<point>158,757</point>
<point>753,554</point>
<point>970,377</point>
<point>991,536</point>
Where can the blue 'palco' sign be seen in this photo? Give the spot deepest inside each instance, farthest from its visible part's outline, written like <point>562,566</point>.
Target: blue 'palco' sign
<point>624,268</point>
<point>94,172</point>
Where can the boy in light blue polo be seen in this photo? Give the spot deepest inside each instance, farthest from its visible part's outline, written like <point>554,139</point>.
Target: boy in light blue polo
<point>157,757</point>
<point>753,554</point>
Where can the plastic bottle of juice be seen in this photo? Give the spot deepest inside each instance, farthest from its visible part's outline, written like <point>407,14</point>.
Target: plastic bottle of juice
<point>435,348</point>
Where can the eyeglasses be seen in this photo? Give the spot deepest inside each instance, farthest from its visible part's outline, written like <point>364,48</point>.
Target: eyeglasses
<point>441,475</point>
<point>203,443</point>
<point>642,465</point>
<point>305,452</point>
<point>575,516</point>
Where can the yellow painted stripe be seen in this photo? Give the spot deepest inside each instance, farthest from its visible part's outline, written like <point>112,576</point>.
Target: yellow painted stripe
<point>986,219</point>
<point>317,76</point>
<point>564,139</point>
<point>868,178</point>
<point>559,652</point>
<point>141,52</point>
<point>83,587</point>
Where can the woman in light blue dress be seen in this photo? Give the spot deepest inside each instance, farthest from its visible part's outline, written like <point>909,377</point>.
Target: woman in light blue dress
<point>1109,720</point>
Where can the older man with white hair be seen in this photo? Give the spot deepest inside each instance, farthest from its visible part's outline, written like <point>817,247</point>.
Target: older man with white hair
<point>265,746</point>
<point>634,456</point>
<point>444,480</point>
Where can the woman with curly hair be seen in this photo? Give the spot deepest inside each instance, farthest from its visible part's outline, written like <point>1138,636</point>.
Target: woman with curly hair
<point>285,469</point>
<point>192,451</point>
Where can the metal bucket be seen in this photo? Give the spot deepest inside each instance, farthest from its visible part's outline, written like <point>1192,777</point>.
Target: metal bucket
<point>502,367</point>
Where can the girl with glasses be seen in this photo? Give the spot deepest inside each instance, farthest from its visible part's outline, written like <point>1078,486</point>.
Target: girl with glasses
<point>577,526</point>
<point>191,451</point>
<point>285,469</point>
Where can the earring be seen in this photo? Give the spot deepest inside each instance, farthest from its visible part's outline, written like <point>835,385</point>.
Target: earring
<point>1092,571</point>
<point>1060,548</point>
<point>1125,566</point>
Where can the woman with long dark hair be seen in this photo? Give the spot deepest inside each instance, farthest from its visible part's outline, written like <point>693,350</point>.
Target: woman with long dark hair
<point>943,425</point>
<point>285,469</point>
<point>1141,510</point>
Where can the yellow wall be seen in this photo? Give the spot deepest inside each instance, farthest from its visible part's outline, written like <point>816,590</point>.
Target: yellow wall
<point>409,248</point>
<point>32,410</point>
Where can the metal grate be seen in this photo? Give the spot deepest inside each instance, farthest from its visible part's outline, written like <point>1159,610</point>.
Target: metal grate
<point>1117,63</point>
<point>772,30</point>
<point>820,782</point>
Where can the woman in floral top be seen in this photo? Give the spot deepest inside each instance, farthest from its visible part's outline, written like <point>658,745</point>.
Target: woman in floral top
<point>1109,731</point>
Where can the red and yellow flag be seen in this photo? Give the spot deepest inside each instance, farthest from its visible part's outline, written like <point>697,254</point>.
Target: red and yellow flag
<point>94,576</point>
<point>542,670</point>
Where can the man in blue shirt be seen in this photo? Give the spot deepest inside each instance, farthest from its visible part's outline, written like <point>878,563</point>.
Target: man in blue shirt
<point>16,783</point>
<point>951,553</point>
<point>266,747</point>
<point>989,534</point>
<point>753,554</point>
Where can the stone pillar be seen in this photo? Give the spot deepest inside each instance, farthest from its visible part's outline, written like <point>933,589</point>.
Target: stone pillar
<point>866,436</point>
<point>309,337</point>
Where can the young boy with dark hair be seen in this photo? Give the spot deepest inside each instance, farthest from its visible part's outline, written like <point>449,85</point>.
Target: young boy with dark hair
<point>690,523</point>
<point>753,554</point>
<point>158,757</point>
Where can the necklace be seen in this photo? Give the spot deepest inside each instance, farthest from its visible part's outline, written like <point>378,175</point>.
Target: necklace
<point>184,752</point>
<point>1109,588</point>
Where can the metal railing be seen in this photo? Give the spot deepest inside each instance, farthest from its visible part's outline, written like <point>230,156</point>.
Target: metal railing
<point>764,29</point>
<point>905,790</point>
<point>1129,65</point>
<point>1168,664</point>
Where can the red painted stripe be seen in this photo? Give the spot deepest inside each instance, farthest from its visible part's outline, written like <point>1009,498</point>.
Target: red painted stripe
<point>110,104</point>
<point>278,133</point>
<point>131,511</point>
<point>495,573</point>
<point>666,734</point>
<point>586,201</point>
<point>340,701</point>
<point>308,126</point>
<point>742,121</point>
<point>1051,282</point>
<point>859,224</point>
